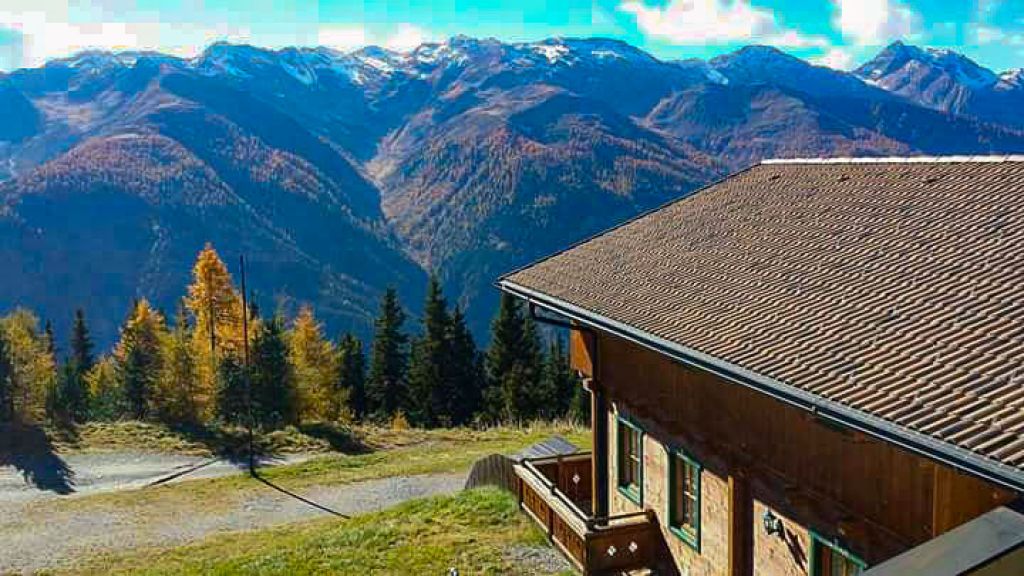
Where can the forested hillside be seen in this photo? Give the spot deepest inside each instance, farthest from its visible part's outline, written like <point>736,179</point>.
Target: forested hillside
<point>221,361</point>
<point>340,175</point>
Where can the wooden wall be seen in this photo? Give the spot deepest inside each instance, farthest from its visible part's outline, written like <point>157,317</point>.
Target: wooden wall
<point>879,500</point>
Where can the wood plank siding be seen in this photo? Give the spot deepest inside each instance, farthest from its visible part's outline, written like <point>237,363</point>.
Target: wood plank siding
<point>873,497</point>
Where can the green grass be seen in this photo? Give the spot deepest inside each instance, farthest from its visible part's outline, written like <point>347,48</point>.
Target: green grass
<point>398,453</point>
<point>474,531</point>
<point>98,437</point>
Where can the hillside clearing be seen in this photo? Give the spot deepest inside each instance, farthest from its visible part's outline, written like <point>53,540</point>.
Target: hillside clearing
<point>59,531</point>
<point>477,531</point>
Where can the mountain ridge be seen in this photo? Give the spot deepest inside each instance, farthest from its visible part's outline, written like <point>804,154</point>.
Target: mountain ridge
<point>347,172</point>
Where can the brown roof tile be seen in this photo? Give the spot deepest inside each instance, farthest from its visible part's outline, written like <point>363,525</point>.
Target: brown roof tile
<point>893,288</point>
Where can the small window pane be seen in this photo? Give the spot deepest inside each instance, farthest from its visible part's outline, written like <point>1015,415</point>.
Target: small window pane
<point>630,459</point>
<point>684,498</point>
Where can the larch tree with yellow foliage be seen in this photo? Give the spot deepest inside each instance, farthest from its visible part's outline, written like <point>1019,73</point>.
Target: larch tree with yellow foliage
<point>31,367</point>
<point>315,364</point>
<point>216,310</point>
<point>176,388</point>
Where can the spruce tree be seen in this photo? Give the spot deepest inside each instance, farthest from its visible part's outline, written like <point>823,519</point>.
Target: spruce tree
<point>6,381</point>
<point>579,405</point>
<point>70,402</point>
<point>430,366</point>
<point>81,344</point>
<point>558,383</point>
<point>513,364</point>
<point>271,377</point>
<point>467,372</point>
<point>140,358</point>
<point>386,386</point>
<point>232,406</point>
<point>351,378</point>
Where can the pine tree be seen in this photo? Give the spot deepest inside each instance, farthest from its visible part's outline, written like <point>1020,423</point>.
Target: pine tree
<point>176,396</point>
<point>467,372</point>
<point>232,406</point>
<point>351,382</point>
<point>81,344</point>
<point>430,370</point>
<point>139,357</point>
<point>513,364</point>
<point>314,365</point>
<point>271,377</point>
<point>386,386</point>
<point>216,310</point>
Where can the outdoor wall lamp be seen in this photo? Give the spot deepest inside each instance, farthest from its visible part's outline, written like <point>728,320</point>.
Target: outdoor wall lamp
<point>773,524</point>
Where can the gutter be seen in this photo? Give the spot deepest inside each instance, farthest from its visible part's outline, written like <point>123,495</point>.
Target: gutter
<point>921,444</point>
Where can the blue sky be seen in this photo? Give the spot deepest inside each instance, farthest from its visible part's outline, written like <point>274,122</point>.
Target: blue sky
<point>839,33</point>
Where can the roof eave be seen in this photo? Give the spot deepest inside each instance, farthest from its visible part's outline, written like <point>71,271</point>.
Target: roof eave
<point>916,442</point>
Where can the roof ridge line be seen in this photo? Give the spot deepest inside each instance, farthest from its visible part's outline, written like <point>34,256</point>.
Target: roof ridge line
<point>980,158</point>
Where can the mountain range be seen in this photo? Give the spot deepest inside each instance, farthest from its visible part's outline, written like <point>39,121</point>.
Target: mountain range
<point>339,174</point>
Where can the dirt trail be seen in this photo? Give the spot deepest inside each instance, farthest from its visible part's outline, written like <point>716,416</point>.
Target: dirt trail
<point>39,531</point>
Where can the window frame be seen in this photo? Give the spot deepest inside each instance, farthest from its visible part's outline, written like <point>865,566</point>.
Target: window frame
<point>691,538</point>
<point>633,494</point>
<point>818,541</point>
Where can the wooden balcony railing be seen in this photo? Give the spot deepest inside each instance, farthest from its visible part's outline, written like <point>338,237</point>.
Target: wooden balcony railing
<point>555,492</point>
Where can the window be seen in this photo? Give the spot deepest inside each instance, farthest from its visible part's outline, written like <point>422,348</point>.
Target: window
<point>631,461</point>
<point>828,559</point>
<point>684,498</point>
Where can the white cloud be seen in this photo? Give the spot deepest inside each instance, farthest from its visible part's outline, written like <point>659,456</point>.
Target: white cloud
<point>47,33</point>
<point>986,34</point>
<point>835,58</point>
<point>407,37</point>
<point>873,22</point>
<point>983,34</point>
<point>794,39</point>
<point>342,37</point>
<point>714,22</point>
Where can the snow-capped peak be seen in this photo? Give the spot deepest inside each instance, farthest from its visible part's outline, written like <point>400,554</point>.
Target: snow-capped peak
<point>899,57</point>
<point>555,52</point>
<point>1011,79</point>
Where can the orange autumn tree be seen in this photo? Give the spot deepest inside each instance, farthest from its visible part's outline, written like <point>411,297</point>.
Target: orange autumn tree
<point>315,362</point>
<point>216,310</point>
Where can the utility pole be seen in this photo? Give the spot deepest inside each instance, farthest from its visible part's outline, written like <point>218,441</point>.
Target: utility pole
<point>245,364</point>
<point>212,326</point>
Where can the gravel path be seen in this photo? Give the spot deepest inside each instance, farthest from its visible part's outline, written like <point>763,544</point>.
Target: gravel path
<point>43,477</point>
<point>38,535</point>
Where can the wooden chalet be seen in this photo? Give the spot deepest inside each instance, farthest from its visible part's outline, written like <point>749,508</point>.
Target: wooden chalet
<point>813,367</point>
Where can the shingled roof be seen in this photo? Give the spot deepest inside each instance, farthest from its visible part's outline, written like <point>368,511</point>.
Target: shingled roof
<point>888,293</point>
